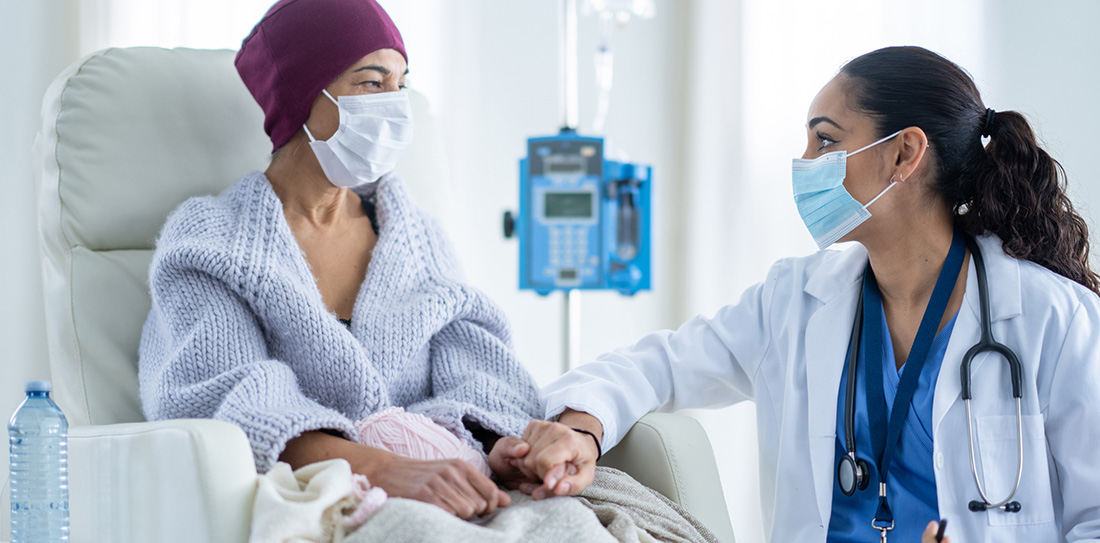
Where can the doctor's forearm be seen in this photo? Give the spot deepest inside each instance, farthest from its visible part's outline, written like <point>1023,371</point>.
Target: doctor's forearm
<point>583,421</point>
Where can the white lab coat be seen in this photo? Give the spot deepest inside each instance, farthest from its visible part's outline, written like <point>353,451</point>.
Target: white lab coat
<point>783,346</point>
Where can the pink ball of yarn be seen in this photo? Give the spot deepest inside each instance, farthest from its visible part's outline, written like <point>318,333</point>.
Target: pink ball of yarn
<point>415,436</point>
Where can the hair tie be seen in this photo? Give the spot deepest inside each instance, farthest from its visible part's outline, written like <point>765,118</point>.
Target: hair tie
<point>599,449</point>
<point>987,128</point>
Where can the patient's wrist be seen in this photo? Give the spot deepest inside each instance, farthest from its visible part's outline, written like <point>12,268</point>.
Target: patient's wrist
<point>318,446</point>
<point>308,448</point>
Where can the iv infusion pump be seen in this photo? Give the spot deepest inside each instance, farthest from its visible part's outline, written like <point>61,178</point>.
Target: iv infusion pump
<point>583,221</point>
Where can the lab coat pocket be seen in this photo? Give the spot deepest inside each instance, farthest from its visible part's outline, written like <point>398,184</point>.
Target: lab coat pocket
<point>998,463</point>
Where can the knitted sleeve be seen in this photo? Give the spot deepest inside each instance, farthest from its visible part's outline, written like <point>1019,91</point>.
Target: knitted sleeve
<point>203,355</point>
<point>476,377</point>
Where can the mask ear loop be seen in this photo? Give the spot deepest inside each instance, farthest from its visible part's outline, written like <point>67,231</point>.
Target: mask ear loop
<point>897,175</point>
<point>884,191</point>
<point>868,146</point>
<point>306,128</point>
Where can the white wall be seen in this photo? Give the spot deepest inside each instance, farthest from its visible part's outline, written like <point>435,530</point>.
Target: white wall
<point>30,60</point>
<point>1043,60</point>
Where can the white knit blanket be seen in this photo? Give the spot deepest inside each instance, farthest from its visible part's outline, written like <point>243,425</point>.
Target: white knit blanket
<point>615,508</point>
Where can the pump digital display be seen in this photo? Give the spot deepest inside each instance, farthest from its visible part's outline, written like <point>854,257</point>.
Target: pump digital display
<point>564,167</point>
<point>568,205</point>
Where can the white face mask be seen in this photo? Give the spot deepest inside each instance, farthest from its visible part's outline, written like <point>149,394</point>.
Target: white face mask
<point>374,130</point>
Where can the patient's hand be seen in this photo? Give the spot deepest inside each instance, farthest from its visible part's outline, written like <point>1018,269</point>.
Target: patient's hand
<point>453,485</point>
<point>564,460</point>
<point>505,461</point>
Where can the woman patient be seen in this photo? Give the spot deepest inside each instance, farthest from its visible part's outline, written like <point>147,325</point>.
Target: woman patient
<point>307,297</point>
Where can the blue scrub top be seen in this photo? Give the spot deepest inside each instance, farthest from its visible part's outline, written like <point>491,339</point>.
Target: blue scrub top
<point>911,483</point>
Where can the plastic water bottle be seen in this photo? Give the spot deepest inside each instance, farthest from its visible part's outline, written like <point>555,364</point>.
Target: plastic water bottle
<point>39,469</point>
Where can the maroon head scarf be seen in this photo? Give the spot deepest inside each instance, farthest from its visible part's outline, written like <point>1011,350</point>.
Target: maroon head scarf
<point>300,47</point>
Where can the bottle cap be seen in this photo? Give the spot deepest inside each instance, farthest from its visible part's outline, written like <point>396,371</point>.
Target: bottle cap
<point>38,386</point>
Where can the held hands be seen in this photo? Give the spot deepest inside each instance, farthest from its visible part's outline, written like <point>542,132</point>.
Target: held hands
<point>551,459</point>
<point>559,460</point>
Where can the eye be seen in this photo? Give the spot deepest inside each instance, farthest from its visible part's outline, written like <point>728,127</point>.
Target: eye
<point>372,84</point>
<point>402,86</point>
<point>824,140</point>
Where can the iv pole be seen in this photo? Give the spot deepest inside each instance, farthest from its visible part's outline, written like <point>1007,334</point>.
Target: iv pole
<point>567,62</point>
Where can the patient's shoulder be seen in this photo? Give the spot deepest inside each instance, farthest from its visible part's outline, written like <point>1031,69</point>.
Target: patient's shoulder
<point>214,224</point>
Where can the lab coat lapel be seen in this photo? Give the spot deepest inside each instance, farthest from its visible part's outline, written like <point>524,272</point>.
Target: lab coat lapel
<point>828,330</point>
<point>1003,274</point>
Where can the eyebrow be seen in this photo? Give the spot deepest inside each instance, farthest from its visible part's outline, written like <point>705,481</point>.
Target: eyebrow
<point>818,120</point>
<point>380,69</point>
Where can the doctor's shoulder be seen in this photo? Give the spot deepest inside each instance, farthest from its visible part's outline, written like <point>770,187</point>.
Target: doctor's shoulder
<point>841,264</point>
<point>1046,292</point>
<point>794,289</point>
<point>1058,322</point>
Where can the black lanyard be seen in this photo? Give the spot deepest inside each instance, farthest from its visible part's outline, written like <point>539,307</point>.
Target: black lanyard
<point>876,399</point>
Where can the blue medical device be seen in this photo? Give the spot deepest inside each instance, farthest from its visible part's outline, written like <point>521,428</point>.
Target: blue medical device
<point>584,221</point>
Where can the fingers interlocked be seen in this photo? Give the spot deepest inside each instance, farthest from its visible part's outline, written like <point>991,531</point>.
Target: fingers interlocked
<point>563,459</point>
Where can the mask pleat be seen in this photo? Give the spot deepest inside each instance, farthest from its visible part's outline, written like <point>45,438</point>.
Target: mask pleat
<point>374,130</point>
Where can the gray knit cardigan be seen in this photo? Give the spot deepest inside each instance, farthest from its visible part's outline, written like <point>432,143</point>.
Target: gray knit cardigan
<point>238,330</point>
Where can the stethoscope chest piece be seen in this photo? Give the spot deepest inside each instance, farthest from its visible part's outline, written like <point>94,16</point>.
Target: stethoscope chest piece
<point>852,474</point>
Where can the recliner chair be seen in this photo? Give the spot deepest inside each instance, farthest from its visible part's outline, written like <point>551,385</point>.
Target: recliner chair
<point>128,134</point>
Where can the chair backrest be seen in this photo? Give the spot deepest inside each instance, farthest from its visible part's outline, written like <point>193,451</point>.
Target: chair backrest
<point>127,135</point>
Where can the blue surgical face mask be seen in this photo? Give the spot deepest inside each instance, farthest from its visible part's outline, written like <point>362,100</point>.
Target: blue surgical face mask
<point>827,208</point>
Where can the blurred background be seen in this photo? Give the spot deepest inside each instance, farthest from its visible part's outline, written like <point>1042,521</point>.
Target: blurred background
<point>712,93</point>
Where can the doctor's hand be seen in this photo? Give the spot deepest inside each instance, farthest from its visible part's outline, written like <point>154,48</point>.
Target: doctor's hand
<point>930,532</point>
<point>561,458</point>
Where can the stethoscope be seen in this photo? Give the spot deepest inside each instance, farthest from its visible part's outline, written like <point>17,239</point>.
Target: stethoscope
<point>854,473</point>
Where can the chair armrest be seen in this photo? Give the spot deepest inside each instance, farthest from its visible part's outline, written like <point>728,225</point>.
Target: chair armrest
<point>672,455</point>
<point>181,480</point>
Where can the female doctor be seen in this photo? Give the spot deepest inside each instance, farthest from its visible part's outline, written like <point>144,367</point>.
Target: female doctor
<point>898,133</point>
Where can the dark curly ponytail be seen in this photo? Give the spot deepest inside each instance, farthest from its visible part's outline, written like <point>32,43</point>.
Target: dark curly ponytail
<point>1010,187</point>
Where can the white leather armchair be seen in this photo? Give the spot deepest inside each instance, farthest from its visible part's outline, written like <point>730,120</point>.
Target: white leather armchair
<point>127,135</point>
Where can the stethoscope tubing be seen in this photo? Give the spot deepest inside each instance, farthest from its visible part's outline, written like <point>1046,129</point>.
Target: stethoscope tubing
<point>989,504</point>
<point>850,395</point>
<point>986,343</point>
<point>852,473</point>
